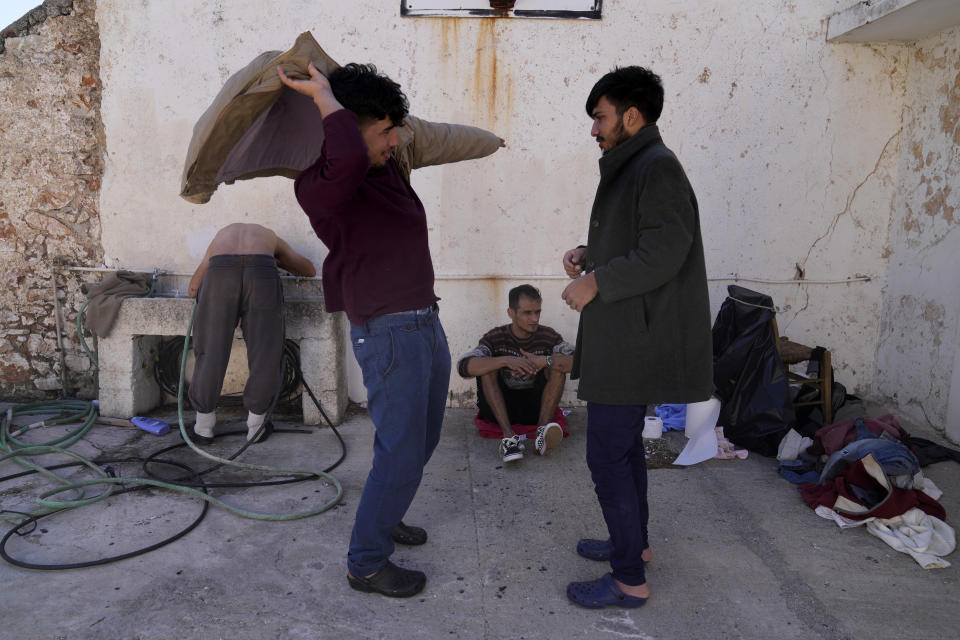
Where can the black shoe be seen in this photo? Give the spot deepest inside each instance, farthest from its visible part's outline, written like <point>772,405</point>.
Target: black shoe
<point>405,534</point>
<point>265,433</point>
<point>197,438</point>
<point>391,581</point>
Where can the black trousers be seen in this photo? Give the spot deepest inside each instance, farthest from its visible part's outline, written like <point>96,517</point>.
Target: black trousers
<point>523,405</point>
<point>242,289</point>
<point>618,466</point>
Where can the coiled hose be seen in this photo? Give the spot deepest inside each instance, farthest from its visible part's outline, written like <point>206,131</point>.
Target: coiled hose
<point>12,447</point>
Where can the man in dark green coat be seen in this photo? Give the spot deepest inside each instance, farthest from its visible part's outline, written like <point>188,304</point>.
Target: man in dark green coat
<point>640,284</point>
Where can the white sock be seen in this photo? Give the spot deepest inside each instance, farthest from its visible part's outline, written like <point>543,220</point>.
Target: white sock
<point>254,422</point>
<point>205,422</point>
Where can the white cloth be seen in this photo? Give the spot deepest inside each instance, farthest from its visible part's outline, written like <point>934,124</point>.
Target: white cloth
<point>791,446</point>
<point>929,488</point>
<point>700,429</point>
<point>924,537</point>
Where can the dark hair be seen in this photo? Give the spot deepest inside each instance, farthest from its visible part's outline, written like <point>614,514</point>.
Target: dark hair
<point>627,87</point>
<point>526,290</point>
<point>370,95</point>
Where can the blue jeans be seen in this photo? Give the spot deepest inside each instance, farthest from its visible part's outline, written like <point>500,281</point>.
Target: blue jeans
<point>618,466</point>
<point>406,369</point>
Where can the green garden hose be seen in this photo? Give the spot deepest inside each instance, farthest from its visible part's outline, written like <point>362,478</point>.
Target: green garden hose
<point>13,447</point>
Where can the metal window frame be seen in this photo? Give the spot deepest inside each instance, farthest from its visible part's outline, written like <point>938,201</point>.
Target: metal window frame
<point>592,14</point>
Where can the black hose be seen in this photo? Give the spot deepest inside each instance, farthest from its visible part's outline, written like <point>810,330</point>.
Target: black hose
<point>166,371</point>
<point>294,380</point>
<point>32,520</point>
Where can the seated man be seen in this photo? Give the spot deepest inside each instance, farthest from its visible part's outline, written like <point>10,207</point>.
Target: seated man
<point>520,368</point>
<point>237,281</point>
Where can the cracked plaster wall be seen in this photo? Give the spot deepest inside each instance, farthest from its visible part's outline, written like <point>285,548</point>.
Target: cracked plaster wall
<point>918,352</point>
<point>50,174</point>
<point>793,145</point>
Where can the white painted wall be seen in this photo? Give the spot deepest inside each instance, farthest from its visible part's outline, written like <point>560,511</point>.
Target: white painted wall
<point>793,145</point>
<point>918,354</point>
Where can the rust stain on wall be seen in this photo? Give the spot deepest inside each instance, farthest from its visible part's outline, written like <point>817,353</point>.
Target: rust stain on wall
<point>449,36</point>
<point>486,73</point>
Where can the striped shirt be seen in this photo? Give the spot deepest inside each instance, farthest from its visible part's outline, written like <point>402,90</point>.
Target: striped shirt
<point>501,341</point>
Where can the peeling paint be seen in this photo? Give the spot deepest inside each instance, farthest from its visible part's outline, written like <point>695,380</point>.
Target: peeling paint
<point>950,112</point>
<point>937,205</point>
<point>917,149</point>
<point>919,338</point>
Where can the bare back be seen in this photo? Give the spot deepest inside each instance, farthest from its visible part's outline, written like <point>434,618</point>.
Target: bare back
<point>251,239</point>
<point>243,239</point>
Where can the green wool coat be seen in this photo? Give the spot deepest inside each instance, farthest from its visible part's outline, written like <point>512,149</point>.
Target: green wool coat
<point>645,338</point>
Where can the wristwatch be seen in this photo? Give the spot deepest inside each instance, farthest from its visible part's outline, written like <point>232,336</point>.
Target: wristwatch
<point>550,361</point>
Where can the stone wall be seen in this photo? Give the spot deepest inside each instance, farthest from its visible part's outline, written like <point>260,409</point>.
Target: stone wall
<point>51,167</point>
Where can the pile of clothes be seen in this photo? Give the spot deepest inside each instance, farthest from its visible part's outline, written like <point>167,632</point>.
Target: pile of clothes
<point>866,472</point>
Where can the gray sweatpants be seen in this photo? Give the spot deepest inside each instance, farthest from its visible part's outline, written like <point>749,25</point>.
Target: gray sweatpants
<point>244,289</point>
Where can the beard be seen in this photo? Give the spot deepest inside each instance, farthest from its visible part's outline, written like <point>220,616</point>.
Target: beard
<point>618,135</point>
<point>380,161</point>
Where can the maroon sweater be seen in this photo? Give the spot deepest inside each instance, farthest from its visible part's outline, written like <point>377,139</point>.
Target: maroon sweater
<point>373,224</point>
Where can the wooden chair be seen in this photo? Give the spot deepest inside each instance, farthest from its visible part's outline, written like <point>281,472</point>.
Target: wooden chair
<point>795,353</point>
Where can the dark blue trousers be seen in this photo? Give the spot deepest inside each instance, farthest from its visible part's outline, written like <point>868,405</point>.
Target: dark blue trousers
<point>406,369</point>
<point>618,466</point>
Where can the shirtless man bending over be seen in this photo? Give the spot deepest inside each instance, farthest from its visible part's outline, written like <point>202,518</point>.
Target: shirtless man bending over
<point>238,282</point>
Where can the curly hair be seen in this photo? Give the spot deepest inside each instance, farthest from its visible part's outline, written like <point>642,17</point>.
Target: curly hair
<point>626,87</point>
<point>369,94</point>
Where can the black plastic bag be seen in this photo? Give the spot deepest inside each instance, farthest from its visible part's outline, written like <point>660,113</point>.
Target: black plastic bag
<point>750,379</point>
<point>810,416</point>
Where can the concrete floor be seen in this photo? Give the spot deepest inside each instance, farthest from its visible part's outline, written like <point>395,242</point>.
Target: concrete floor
<point>737,554</point>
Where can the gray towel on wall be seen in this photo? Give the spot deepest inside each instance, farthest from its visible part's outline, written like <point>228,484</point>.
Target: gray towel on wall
<point>106,297</point>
